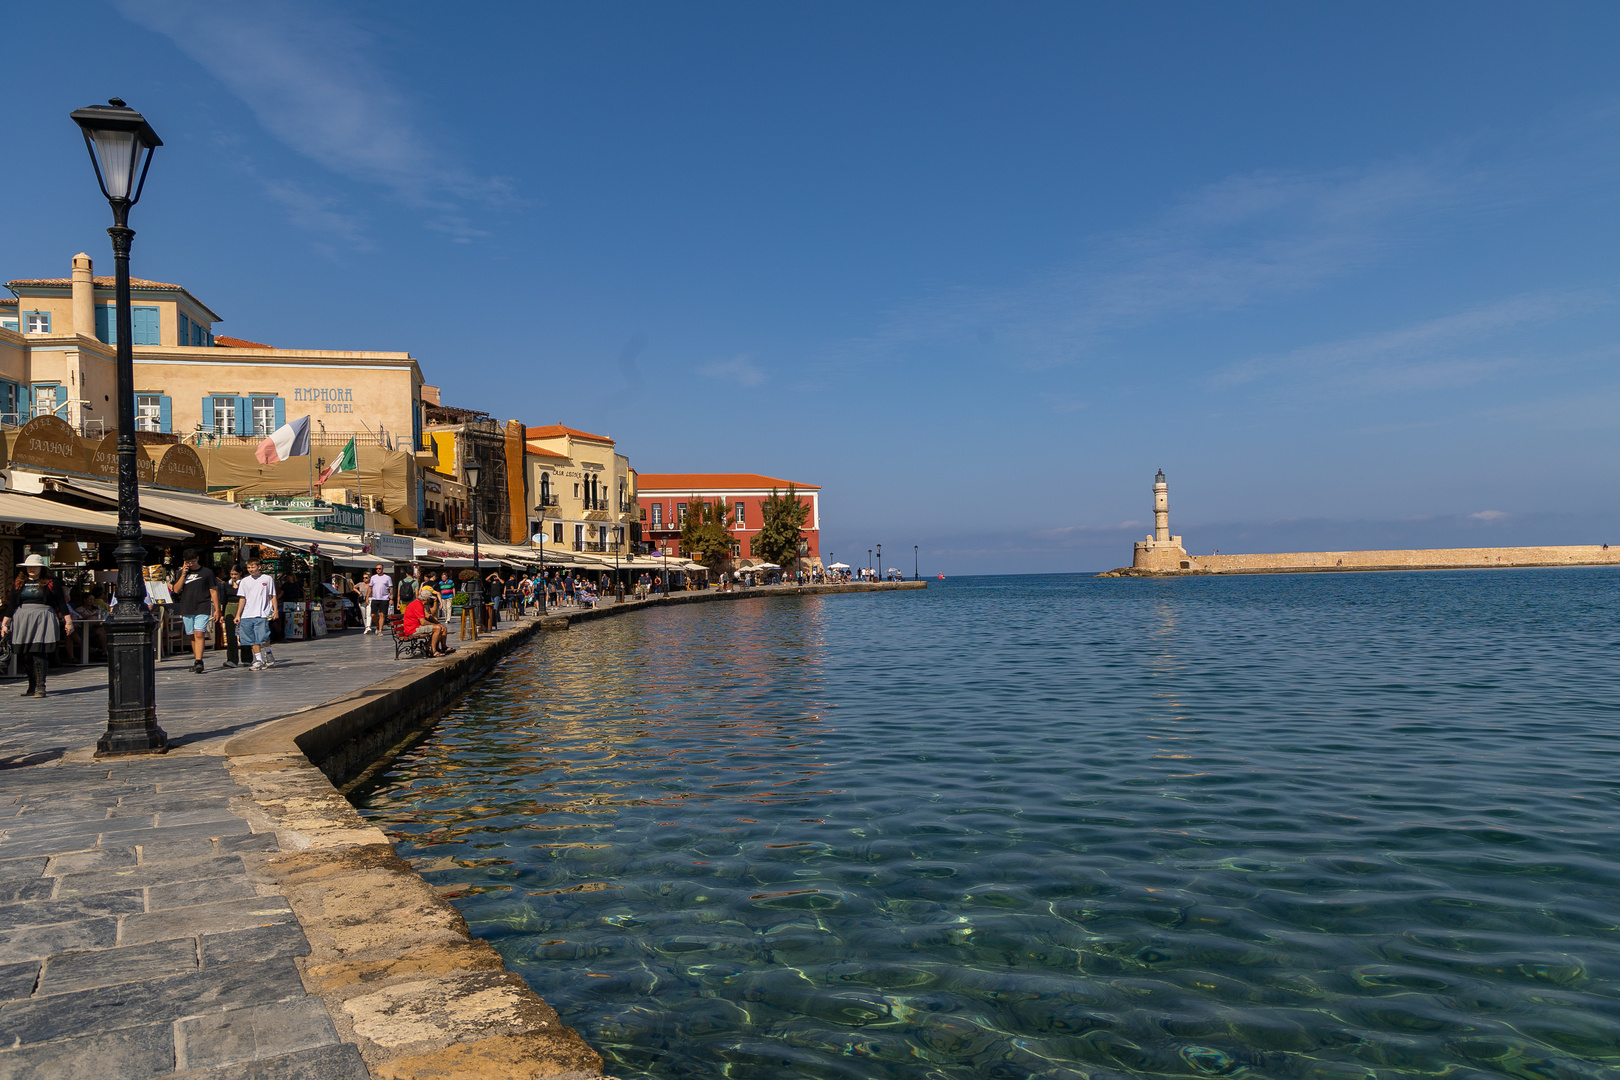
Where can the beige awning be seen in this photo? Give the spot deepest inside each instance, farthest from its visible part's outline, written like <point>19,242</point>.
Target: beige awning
<point>224,518</point>
<point>34,510</point>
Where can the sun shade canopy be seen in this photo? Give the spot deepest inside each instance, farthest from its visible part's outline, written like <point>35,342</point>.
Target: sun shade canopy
<point>33,510</point>
<point>224,518</point>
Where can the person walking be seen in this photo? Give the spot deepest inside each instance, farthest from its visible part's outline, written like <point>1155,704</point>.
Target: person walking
<point>362,588</point>
<point>38,620</point>
<point>197,603</point>
<point>409,586</point>
<point>233,649</point>
<point>382,591</point>
<point>256,609</point>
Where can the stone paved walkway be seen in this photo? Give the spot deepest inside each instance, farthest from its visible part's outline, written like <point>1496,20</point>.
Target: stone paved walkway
<point>136,938</point>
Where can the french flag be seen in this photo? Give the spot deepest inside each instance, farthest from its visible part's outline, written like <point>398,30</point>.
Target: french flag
<point>290,440</point>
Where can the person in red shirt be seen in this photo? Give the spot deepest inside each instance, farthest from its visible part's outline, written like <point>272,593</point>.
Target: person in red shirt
<point>420,621</point>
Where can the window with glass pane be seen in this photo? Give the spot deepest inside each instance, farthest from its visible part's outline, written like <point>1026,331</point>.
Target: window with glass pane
<point>739,515</point>
<point>39,322</point>
<point>224,416</point>
<point>45,400</point>
<point>148,412</point>
<point>264,415</point>
<point>680,512</point>
<point>658,513</point>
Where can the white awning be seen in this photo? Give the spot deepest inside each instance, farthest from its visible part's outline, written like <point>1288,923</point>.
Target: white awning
<point>224,518</point>
<point>34,510</point>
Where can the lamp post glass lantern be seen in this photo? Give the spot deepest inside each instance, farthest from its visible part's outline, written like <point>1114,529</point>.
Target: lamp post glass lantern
<point>120,143</point>
<point>475,595</point>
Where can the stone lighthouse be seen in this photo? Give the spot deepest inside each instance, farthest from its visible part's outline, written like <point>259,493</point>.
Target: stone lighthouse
<point>1161,551</point>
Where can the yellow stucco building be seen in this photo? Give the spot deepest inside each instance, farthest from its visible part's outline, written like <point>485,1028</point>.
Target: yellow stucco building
<point>57,359</point>
<point>584,491</point>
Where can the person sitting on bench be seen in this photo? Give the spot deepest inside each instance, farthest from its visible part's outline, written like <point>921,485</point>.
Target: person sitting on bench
<point>421,621</point>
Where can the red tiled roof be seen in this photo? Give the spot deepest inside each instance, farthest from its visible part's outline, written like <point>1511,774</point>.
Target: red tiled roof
<point>530,448</point>
<point>7,301</point>
<point>102,282</point>
<point>240,343</point>
<point>554,431</point>
<point>691,483</point>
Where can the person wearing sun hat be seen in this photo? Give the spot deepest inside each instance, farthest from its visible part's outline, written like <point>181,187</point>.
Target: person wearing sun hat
<point>38,619</point>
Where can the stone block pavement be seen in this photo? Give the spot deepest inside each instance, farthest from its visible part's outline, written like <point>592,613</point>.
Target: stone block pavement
<point>137,937</point>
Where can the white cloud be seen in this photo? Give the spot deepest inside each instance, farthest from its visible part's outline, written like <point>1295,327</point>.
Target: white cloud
<point>1490,515</point>
<point>740,369</point>
<point>1449,351</point>
<point>309,77</point>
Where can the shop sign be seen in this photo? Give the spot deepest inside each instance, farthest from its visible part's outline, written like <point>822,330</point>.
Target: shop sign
<point>395,548</point>
<point>334,399</point>
<point>288,504</point>
<point>48,442</point>
<point>181,468</point>
<point>103,461</point>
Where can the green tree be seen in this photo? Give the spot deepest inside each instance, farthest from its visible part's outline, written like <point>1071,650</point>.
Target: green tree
<point>783,518</point>
<point>704,535</point>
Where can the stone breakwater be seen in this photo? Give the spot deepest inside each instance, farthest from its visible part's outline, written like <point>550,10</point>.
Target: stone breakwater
<point>1296,562</point>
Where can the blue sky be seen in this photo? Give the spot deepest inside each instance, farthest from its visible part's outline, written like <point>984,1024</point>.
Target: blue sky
<point>1349,276</point>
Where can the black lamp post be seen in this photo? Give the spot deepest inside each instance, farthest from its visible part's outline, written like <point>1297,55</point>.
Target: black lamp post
<point>475,595</point>
<point>916,564</point>
<point>121,142</point>
<point>869,558</point>
<point>880,562</point>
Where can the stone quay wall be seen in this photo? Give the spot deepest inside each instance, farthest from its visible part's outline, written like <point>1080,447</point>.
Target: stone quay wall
<point>1416,559</point>
<point>400,973</point>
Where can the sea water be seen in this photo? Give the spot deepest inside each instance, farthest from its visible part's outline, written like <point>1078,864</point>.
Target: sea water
<point>1336,825</point>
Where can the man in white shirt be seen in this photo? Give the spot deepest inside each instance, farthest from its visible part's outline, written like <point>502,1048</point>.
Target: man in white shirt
<point>255,608</point>
<point>382,587</point>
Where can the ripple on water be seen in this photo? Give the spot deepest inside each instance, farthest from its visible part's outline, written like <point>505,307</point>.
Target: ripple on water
<point>1340,827</point>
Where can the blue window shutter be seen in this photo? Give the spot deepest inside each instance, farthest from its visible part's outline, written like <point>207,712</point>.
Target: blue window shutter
<point>165,415</point>
<point>106,327</point>
<point>281,411</point>
<point>244,416</point>
<point>145,326</point>
<point>207,417</point>
<point>185,330</point>
<point>210,337</point>
<point>196,334</point>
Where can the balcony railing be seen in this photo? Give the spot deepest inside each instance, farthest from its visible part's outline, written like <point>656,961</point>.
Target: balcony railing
<point>549,500</point>
<point>591,545</point>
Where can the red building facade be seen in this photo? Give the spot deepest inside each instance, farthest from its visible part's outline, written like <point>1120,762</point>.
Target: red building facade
<point>664,497</point>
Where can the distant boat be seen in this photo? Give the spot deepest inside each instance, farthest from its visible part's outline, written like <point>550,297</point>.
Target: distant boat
<point>942,577</point>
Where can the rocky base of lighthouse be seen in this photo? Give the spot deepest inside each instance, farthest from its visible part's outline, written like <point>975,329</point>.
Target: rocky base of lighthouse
<point>1161,555</point>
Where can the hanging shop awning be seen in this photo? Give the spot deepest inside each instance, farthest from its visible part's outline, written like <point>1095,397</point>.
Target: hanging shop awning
<point>33,510</point>
<point>224,518</point>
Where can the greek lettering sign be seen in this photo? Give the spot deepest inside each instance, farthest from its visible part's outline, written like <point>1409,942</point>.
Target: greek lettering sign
<point>335,399</point>
<point>47,442</point>
<point>103,461</point>
<point>180,467</point>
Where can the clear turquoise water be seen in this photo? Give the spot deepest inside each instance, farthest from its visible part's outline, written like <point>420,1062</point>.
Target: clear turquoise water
<point>1305,826</point>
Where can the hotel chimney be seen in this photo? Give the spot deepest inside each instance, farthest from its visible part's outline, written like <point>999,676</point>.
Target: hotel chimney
<point>84,297</point>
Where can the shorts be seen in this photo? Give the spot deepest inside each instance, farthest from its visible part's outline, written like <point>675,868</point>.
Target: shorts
<point>379,607</point>
<point>253,631</point>
<point>425,630</point>
<point>197,624</point>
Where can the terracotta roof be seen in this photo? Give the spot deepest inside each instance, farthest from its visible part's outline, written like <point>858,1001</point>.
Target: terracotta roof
<point>530,448</point>
<point>553,431</point>
<point>7,301</point>
<point>240,343</point>
<point>692,483</point>
<point>102,282</point>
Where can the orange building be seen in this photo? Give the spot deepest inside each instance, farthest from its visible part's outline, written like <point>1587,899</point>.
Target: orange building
<point>664,497</point>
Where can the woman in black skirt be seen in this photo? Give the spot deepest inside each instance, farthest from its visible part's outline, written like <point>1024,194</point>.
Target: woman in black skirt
<point>37,620</point>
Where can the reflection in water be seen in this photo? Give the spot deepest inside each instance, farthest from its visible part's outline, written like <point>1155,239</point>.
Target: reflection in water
<point>1055,827</point>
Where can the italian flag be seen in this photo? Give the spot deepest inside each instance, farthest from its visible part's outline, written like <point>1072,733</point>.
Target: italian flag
<point>287,441</point>
<point>348,461</point>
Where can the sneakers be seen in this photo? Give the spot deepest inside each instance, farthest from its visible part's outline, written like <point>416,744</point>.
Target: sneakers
<point>367,630</point>
<point>266,659</point>
<point>257,665</point>
<point>197,667</point>
<point>230,663</point>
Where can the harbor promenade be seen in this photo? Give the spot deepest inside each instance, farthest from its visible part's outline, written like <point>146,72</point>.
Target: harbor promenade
<point>221,911</point>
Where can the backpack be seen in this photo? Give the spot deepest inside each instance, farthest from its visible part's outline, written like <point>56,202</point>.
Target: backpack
<point>407,591</point>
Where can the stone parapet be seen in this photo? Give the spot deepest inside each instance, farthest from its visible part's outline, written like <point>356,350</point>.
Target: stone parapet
<point>1160,561</point>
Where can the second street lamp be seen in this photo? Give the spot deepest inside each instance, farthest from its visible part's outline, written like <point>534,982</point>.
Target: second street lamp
<point>121,142</point>
<point>475,595</point>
